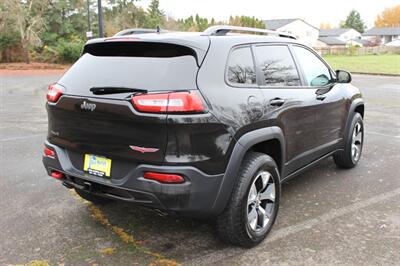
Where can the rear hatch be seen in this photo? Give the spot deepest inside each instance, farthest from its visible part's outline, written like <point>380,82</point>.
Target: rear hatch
<point>107,124</point>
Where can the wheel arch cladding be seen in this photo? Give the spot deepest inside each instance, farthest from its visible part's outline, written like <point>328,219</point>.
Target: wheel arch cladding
<point>250,141</point>
<point>360,109</point>
<point>357,106</point>
<point>271,147</point>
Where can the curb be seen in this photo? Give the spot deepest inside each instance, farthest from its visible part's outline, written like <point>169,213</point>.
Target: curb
<point>375,74</point>
<point>34,72</point>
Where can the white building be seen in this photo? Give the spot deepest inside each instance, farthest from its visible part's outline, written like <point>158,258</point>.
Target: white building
<point>341,38</point>
<point>301,29</point>
<point>330,42</point>
<point>395,43</point>
<point>341,34</point>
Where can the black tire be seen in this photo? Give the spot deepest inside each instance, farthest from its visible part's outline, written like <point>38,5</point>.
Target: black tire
<point>97,200</point>
<point>233,224</point>
<point>347,158</point>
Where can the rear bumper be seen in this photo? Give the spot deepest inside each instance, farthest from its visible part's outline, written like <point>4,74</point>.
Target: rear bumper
<point>196,197</point>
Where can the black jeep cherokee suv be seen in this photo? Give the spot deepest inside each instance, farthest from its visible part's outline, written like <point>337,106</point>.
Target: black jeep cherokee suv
<point>200,124</point>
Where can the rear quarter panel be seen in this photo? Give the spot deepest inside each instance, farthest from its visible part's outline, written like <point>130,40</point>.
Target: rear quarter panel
<point>238,108</point>
<point>198,140</point>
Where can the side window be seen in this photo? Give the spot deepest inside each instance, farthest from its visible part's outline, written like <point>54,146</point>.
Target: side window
<point>241,67</point>
<point>315,71</point>
<point>277,65</point>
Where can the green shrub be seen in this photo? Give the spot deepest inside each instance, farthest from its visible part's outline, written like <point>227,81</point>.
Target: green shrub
<point>67,51</point>
<point>45,54</point>
<point>8,39</point>
<point>59,51</point>
<point>353,49</point>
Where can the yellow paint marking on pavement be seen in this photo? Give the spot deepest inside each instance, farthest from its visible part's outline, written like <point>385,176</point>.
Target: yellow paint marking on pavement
<point>163,262</point>
<point>99,216</point>
<point>33,263</point>
<point>108,251</point>
<point>38,263</point>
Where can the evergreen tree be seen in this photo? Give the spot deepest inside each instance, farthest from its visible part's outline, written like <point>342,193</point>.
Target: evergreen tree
<point>155,15</point>
<point>354,21</point>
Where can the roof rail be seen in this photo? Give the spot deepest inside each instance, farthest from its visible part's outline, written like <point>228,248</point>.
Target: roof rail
<point>221,30</point>
<point>137,31</point>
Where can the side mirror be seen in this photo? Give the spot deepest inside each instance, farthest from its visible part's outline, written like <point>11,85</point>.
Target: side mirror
<point>321,80</point>
<point>343,76</point>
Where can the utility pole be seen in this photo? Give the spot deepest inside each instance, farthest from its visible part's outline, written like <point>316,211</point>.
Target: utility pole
<point>88,15</point>
<point>100,15</point>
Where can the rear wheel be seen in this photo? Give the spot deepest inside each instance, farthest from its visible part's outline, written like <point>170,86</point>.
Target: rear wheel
<point>253,207</point>
<point>97,200</point>
<point>350,156</point>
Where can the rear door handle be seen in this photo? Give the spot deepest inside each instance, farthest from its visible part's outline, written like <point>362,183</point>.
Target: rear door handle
<point>277,102</point>
<point>321,97</point>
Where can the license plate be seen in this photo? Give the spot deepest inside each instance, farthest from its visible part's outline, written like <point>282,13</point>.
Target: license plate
<point>97,165</point>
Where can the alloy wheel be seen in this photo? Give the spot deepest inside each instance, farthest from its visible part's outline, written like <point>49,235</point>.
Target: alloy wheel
<point>356,142</point>
<point>261,201</point>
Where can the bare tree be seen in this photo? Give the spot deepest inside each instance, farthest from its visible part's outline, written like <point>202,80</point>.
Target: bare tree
<point>29,22</point>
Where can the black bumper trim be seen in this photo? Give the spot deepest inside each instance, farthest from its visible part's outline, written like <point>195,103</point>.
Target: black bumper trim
<point>193,198</point>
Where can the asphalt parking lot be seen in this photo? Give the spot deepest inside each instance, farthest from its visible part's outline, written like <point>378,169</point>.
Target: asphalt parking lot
<point>327,215</point>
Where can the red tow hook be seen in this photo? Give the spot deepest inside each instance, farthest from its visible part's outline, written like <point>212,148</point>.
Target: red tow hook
<point>57,175</point>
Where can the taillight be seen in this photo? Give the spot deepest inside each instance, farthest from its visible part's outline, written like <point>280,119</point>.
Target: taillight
<point>47,152</point>
<point>164,178</point>
<point>54,92</point>
<point>173,102</point>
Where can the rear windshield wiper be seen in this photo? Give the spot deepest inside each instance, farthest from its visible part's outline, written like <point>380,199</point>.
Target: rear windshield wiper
<point>113,90</point>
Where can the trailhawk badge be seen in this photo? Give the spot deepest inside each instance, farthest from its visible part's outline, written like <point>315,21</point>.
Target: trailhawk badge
<point>88,106</point>
<point>143,149</point>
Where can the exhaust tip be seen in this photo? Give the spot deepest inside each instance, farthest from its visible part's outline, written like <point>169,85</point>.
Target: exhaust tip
<point>69,186</point>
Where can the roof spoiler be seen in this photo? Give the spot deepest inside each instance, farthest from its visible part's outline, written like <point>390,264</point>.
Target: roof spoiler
<point>222,30</point>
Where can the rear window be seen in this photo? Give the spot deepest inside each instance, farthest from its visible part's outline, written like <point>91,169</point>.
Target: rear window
<point>277,66</point>
<point>149,66</point>
<point>240,69</point>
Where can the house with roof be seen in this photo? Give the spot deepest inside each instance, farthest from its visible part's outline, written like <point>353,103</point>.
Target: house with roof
<point>302,30</point>
<point>330,42</point>
<point>382,36</point>
<point>341,34</point>
<point>395,43</point>
<point>341,38</point>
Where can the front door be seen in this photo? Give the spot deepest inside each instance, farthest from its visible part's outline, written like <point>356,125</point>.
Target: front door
<point>288,104</point>
<point>330,105</point>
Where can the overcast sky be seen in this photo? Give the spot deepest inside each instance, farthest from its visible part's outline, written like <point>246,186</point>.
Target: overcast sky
<point>313,11</point>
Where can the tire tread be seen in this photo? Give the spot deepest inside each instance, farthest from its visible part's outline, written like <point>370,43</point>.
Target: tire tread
<point>229,223</point>
<point>343,159</point>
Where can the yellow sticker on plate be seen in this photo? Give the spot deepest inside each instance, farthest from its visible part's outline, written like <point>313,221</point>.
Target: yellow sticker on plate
<point>97,165</point>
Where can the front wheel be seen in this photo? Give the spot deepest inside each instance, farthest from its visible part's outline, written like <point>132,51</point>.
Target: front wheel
<point>350,156</point>
<point>254,203</point>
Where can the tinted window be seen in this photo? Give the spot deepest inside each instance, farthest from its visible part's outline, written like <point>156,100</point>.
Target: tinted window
<point>149,73</point>
<point>277,65</point>
<point>137,49</point>
<point>241,67</point>
<point>315,71</point>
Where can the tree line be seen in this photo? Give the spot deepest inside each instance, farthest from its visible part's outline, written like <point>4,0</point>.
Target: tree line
<point>55,30</point>
<point>390,17</point>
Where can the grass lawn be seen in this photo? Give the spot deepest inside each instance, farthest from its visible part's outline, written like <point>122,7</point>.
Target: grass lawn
<point>382,64</point>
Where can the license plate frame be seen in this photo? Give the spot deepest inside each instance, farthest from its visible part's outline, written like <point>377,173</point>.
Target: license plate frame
<point>97,165</point>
